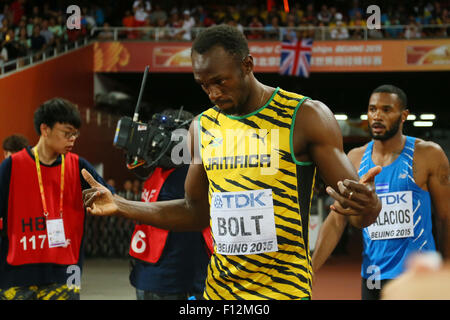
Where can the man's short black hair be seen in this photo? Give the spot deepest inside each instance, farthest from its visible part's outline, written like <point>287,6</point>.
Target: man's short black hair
<point>15,143</point>
<point>228,37</point>
<point>56,110</point>
<point>389,88</point>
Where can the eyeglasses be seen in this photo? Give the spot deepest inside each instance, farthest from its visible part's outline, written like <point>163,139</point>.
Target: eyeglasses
<point>70,134</point>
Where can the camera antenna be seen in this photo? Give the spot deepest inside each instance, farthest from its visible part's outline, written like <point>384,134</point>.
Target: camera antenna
<point>141,92</point>
<point>179,114</point>
<point>136,161</point>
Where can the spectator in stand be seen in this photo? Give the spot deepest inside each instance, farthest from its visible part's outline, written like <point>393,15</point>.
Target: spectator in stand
<point>56,30</point>
<point>219,14</point>
<point>333,13</point>
<point>233,13</point>
<point>310,16</point>
<point>5,27</point>
<point>162,33</point>
<point>3,55</point>
<point>413,30</point>
<point>22,24</point>
<point>11,45</point>
<point>236,24</point>
<point>392,29</point>
<point>324,15</point>
<point>4,14</point>
<point>355,10</point>
<point>30,25</point>
<point>297,12</point>
<point>174,23</point>
<point>263,13</point>
<point>141,10</point>
<point>282,14</point>
<point>157,14</point>
<point>271,30</point>
<point>99,15</point>
<point>289,33</point>
<point>17,10</point>
<point>35,12</point>
<point>128,19</point>
<point>359,24</point>
<point>37,41</point>
<point>76,34</point>
<point>274,12</point>
<point>357,20</point>
<point>106,33</point>
<point>24,42</point>
<point>437,9</point>
<point>255,34</point>
<point>250,11</point>
<point>49,12</point>
<point>87,19</point>
<point>200,15</point>
<point>340,32</point>
<point>205,18</point>
<point>47,34</point>
<point>443,19</point>
<point>186,27</point>
<point>61,23</point>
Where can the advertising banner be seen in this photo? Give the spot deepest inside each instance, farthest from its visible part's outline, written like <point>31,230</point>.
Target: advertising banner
<point>327,56</point>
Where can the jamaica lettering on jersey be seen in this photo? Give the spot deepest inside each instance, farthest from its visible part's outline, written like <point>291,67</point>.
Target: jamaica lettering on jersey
<point>258,188</point>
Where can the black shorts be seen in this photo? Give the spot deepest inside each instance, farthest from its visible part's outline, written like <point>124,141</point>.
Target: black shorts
<point>370,290</point>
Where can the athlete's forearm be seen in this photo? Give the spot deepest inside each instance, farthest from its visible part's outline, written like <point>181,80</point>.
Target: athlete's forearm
<point>329,235</point>
<point>175,215</point>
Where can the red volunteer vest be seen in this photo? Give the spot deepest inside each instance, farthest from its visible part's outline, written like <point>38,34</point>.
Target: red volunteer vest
<point>27,232</point>
<point>147,242</point>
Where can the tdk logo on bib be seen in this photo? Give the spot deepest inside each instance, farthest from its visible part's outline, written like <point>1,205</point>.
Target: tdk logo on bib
<point>390,199</point>
<point>243,222</point>
<point>395,219</point>
<point>239,200</point>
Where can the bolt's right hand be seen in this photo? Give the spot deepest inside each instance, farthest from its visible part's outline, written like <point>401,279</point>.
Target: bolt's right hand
<point>98,200</point>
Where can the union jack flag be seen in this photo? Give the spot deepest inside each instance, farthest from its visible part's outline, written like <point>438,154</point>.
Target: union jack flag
<point>296,57</point>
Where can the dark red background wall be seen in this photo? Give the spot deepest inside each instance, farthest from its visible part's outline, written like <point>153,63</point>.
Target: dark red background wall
<point>69,76</point>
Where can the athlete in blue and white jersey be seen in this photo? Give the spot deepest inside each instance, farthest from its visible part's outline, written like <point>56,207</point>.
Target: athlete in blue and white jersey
<point>414,178</point>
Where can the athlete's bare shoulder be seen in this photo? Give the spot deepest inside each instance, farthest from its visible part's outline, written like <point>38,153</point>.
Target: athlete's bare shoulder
<point>315,125</point>
<point>427,151</point>
<point>430,161</point>
<point>315,107</point>
<point>425,145</point>
<point>316,119</point>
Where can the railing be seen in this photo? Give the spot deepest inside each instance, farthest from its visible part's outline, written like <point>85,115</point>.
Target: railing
<point>35,57</point>
<point>266,33</point>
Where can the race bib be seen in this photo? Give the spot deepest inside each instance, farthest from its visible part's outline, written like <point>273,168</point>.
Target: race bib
<point>55,233</point>
<point>243,222</point>
<point>396,217</point>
